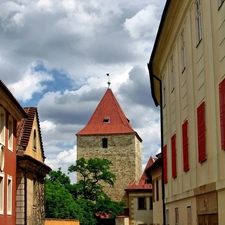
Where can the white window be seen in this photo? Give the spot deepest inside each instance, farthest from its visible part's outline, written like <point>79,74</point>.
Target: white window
<point>183,54</point>
<point>172,73</point>
<point>2,126</point>
<point>198,21</point>
<point>10,133</point>
<point>9,195</point>
<point>1,193</point>
<point>220,2</point>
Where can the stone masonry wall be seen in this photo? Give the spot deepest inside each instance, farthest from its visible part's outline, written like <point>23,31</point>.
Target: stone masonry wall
<point>124,151</point>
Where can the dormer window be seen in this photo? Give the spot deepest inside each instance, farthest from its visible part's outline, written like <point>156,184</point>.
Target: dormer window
<point>106,120</point>
<point>34,140</point>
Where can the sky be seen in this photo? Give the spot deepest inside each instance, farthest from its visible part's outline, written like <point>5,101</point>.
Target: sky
<point>55,54</point>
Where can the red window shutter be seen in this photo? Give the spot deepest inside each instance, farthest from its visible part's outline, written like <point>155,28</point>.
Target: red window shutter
<point>174,156</point>
<point>222,112</point>
<point>185,146</point>
<point>165,177</point>
<point>201,133</point>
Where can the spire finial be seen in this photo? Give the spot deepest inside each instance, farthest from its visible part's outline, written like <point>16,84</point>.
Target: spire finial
<point>108,80</point>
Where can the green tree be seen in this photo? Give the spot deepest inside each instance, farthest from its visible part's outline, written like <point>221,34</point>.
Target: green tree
<point>85,199</point>
<point>94,173</point>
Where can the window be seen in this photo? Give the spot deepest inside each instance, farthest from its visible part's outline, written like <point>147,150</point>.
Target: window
<point>104,142</point>
<point>174,156</point>
<point>176,216</point>
<point>141,203</point>
<point>150,203</point>
<point>220,2</point>
<point>10,133</point>
<point>106,120</point>
<point>201,133</point>
<point>222,112</point>
<point>198,21</point>
<point>185,146</point>
<point>157,190</point>
<point>165,178</point>
<point>2,157</point>
<point>189,215</point>
<point>2,126</point>
<point>183,56</point>
<point>167,217</point>
<point>1,193</point>
<point>9,195</point>
<point>164,97</point>
<point>35,140</point>
<point>172,73</point>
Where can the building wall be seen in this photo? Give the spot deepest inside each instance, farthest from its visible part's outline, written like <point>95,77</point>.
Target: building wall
<point>157,203</point>
<point>61,222</point>
<point>8,174</point>
<point>124,151</point>
<point>140,216</point>
<point>193,84</point>
<point>35,152</point>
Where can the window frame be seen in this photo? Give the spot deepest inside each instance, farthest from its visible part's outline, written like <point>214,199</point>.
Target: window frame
<point>10,133</point>
<point>183,52</point>
<point>172,83</point>
<point>176,216</point>
<point>2,125</point>
<point>142,205</point>
<point>2,186</point>
<point>9,194</point>
<point>151,203</point>
<point>198,19</point>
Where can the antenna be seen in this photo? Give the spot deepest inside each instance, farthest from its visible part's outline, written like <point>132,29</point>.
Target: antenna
<point>108,80</point>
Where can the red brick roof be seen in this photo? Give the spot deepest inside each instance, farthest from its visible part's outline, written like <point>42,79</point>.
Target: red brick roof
<point>24,128</point>
<point>108,118</point>
<point>143,183</point>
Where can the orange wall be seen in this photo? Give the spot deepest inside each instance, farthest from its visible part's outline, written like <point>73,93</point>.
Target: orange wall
<point>61,222</point>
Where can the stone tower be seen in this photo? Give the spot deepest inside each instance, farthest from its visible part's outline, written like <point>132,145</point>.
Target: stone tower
<point>108,134</point>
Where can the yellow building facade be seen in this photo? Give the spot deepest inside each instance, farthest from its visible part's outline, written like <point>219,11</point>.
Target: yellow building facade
<point>187,73</point>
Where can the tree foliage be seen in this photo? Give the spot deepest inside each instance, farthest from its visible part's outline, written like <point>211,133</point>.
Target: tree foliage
<point>85,199</point>
<point>93,172</point>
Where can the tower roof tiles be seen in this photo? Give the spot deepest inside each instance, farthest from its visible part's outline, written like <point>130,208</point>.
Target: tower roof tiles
<point>108,118</point>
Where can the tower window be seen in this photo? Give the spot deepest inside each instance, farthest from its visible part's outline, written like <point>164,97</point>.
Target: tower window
<point>104,142</point>
<point>106,120</point>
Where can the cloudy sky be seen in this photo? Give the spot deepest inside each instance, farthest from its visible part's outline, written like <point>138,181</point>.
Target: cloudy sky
<point>55,54</point>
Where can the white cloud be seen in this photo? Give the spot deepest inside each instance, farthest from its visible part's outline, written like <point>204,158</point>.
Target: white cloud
<point>47,126</point>
<point>30,83</point>
<point>142,25</point>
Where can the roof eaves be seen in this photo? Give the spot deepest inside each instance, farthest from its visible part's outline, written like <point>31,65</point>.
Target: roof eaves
<point>150,64</point>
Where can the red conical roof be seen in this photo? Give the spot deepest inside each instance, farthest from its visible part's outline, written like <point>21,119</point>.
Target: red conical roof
<point>108,118</point>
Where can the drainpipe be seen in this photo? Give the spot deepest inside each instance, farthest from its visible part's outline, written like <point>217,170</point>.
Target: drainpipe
<point>152,76</point>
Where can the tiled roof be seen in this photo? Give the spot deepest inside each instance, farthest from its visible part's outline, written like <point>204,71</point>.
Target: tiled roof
<point>108,118</point>
<point>143,183</point>
<point>24,128</point>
